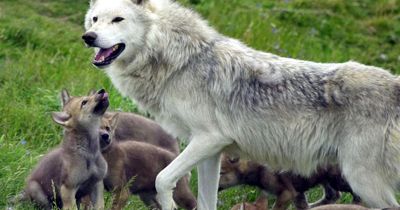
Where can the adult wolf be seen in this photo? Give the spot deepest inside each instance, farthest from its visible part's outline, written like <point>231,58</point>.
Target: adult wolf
<point>292,114</point>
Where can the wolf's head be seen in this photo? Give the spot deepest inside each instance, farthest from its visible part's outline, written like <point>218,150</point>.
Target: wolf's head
<point>117,29</point>
<point>107,130</point>
<point>81,113</point>
<point>230,171</point>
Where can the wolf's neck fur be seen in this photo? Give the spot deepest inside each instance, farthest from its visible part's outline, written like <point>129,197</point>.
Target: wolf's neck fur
<point>146,76</point>
<point>81,141</point>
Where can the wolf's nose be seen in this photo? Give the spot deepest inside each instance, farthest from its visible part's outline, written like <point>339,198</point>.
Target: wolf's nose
<point>101,91</point>
<point>89,38</point>
<point>105,136</point>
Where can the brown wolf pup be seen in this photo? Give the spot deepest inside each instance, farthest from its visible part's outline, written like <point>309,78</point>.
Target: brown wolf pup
<point>133,167</point>
<point>286,186</point>
<point>132,126</point>
<point>260,204</point>
<point>76,168</point>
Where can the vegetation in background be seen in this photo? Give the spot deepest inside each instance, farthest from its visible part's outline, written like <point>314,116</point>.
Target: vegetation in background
<point>41,52</point>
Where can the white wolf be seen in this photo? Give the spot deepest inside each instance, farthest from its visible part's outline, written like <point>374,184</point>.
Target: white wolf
<point>292,114</point>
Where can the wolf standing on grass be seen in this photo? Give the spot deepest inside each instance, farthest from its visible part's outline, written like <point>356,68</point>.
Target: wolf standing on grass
<point>292,114</point>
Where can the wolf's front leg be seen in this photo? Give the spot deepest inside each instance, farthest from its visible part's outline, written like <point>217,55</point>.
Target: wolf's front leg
<point>97,197</point>
<point>68,197</point>
<point>200,148</point>
<point>208,177</point>
<point>120,198</point>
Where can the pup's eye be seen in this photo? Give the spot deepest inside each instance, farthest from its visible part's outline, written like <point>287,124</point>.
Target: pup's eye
<point>95,19</point>
<point>117,19</point>
<point>84,102</point>
<point>108,128</point>
<point>233,160</point>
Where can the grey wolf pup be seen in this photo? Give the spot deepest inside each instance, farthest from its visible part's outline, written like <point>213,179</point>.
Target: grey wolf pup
<point>291,114</point>
<point>76,168</point>
<point>285,185</point>
<point>133,167</point>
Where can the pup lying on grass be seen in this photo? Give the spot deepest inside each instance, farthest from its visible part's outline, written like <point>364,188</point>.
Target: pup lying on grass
<point>286,186</point>
<point>133,167</point>
<point>76,168</point>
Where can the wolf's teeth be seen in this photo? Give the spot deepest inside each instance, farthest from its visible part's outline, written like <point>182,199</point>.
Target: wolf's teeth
<point>102,58</point>
<point>115,47</point>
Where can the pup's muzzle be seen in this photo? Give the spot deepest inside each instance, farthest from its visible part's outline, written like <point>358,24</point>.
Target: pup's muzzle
<point>105,137</point>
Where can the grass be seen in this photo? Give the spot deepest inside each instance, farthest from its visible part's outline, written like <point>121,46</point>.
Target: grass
<point>41,52</point>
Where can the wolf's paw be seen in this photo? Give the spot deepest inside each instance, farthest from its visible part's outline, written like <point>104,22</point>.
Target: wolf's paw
<point>166,201</point>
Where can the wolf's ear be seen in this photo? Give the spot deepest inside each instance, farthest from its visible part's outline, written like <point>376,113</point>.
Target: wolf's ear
<point>153,5</point>
<point>92,2</point>
<point>113,121</point>
<point>91,92</point>
<point>64,95</point>
<point>61,118</point>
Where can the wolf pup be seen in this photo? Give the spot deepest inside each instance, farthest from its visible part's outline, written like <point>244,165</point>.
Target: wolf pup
<point>292,114</point>
<point>131,126</point>
<point>260,204</point>
<point>133,167</point>
<point>76,168</point>
<point>236,172</point>
<point>286,186</point>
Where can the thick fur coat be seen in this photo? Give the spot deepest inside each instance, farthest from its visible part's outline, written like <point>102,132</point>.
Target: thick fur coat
<point>292,114</point>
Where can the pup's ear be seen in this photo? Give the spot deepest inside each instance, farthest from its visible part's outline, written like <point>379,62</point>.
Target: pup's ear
<point>64,95</point>
<point>91,92</point>
<point>113,121</point>
<point>61,118</point>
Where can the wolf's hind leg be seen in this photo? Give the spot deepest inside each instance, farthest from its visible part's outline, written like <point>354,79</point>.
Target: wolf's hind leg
<point>363,160</point>
<point>369,184</point>
<point>35,192</point>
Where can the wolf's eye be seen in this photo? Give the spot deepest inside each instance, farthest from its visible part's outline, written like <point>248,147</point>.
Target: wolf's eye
<point>117,19</point>
<point>84,102</point>
<point>108,128</point>
<point>95,19</point>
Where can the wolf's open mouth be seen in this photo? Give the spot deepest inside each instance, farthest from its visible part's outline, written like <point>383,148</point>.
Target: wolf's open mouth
<point>107,56</point>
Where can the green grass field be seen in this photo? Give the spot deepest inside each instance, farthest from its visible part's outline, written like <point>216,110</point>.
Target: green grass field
<point>41,52</point>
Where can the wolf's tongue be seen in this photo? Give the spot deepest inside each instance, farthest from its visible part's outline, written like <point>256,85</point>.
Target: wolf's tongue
<point>103,53</point>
